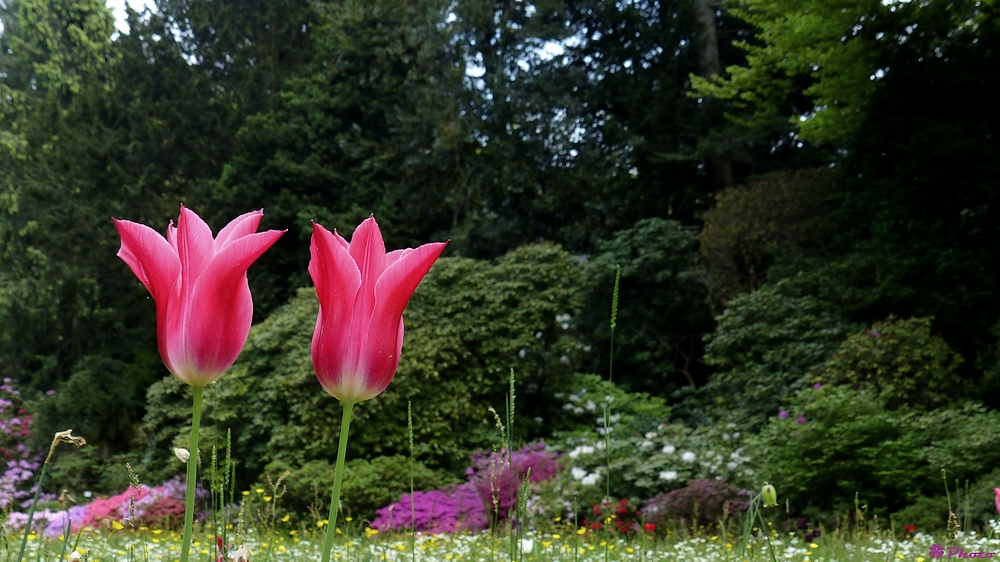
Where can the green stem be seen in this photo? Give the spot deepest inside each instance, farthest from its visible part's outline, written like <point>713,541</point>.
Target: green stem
<point>31,512</point>
<point>338,477</point>
<point>192,476</point>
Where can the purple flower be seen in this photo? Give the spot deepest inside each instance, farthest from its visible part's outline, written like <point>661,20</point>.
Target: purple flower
<point>783,414</point>
<point>801,420</point>
<point>817,386</point>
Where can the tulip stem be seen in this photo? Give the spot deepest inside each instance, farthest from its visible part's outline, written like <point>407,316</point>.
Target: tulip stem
<point>338,477</point>
<point>192,475</point>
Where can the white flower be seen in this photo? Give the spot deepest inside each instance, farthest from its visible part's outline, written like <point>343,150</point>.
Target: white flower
<point>182,454</point>
<point>651,435</point>
<point>591,406</point>
<point>574,398</point>
<point>646,444</point>
<point>589,480</point>
<point>587,450</point>
<point>75,556</point>
<point>668,475</point>
<point>668,449</point>
<point>731,465</point>
<point>688,456</point>
<point>578,473</point>
<point>527,545</point>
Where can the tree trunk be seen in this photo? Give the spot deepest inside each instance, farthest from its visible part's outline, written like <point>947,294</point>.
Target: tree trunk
<point>720,170</point>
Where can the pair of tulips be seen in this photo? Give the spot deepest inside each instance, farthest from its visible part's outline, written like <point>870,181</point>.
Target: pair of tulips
<point>204,310</point>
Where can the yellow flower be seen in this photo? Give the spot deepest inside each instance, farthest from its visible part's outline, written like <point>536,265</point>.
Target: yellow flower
<point>117,526</point>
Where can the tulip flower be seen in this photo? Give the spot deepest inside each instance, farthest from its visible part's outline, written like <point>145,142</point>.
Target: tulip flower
<point>203,303</point>
<point>362,292</point>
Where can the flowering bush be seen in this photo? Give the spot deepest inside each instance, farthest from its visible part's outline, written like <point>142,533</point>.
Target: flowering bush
<point>498,477</point>
<point>494,480</point>
<point>16,483</point>
<point>646,461</point>
<point>456,508</point>
<point>700,502</point>
<point>620,516</point>
<point>150,505</point>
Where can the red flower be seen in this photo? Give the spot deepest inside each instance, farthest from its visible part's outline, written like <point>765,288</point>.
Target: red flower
<point>650,527</point>
<point>362,292</point>
<point>199,285</point>
<point>910,528</point>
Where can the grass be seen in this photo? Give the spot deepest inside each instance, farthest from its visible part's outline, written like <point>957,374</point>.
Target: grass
<point>561,544</point>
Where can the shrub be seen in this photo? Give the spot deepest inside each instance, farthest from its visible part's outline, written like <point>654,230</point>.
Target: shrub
<point>838,441</point>
<point>701,502</point>
<point>900,357</point>
<point>645,464</point>
<point>367,486</point>
<point>766,345</point>
<point>928,515</point>
<point>661,302</point>
<point>780,211</point>
<point>453,509</point>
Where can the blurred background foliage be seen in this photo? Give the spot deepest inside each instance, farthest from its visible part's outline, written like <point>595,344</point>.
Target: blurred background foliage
<point>785,214</point>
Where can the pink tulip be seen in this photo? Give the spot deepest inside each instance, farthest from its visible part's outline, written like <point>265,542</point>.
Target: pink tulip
<point>362,292</point>
<point>199,284</point>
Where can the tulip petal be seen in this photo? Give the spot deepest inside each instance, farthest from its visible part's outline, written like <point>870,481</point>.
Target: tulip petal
<point>195,248</point>
<point>218,315</point>
<point>340,240</point>
<point>392,292</point>
<point>368,250</point>
<point>337,279</point>
<point>239,227</point>
<point>150,257</point>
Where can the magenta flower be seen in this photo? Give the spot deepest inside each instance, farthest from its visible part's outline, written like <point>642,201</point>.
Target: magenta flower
<point>996,499</point>
<point>783,414</point>
<point>199,285</point>
<point>362,292</point>
<point>801,420</point>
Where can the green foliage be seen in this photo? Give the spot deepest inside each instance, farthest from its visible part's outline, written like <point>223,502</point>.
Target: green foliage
<point>835,54</point>
<point>900,358</point>
<point>368,484</point>
<point>779,212</point>
<point>929,515</point>
<point>852,442</point>
<point>467,325</point>
<point>89,469</point>
<point>766,345</point>
<point>660,305</point>
<point>99,401</point>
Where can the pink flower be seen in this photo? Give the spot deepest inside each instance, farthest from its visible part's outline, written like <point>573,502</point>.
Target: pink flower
<point>362,292</point>
<point>199,284</point>
<point>996,499</point>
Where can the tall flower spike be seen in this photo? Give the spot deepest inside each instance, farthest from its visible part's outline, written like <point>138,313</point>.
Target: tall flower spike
<point>362,292</point>
<point>199,284</point>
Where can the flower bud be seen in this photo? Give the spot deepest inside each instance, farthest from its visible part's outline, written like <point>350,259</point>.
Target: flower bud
<point>241,555</point>
<point>769,495</point>
<point>182,454</point>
